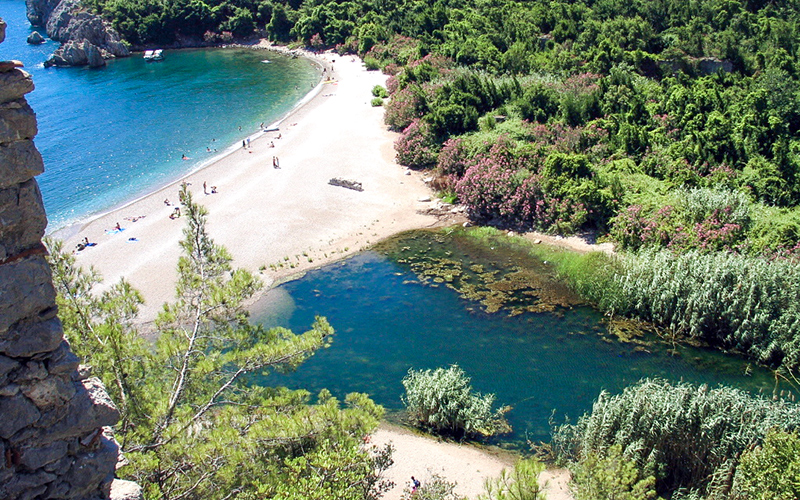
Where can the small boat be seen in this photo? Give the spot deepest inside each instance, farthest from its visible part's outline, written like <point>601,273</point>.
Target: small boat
<point>154,55</point>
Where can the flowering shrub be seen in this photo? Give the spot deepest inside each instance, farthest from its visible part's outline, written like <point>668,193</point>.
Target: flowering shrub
<point>705,219</point>
<point>452,158</point>
<point>405,106</point>
<point>416,147</point>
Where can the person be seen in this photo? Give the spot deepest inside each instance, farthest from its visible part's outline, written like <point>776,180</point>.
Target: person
<point>175,213</point>
<point>117,228</point>
<point>184,157</point>
<point>248,142</point>
<point>261,126</point>
<point>271,144</point>
<point>166,202</point>
<point>213,189</point>
<point>205,191</point>
<point>279,136</point>
<point>414,485</point>
<point>244,145</point>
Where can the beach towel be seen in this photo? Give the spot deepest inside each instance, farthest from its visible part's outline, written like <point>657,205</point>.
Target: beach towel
<point>115,231</point>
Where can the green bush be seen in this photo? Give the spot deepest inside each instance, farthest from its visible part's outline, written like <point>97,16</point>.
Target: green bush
<point>522,483</point>
<point>611,476</point>
<point>688,437</point>
<point>380,91</point>
<point>435,488</point>
<point>376,101</point>
<point>442,401</point>
<point>771,471</point>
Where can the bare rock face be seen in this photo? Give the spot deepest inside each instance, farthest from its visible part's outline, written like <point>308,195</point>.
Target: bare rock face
<point>55,435</point>
<point>86,37</point>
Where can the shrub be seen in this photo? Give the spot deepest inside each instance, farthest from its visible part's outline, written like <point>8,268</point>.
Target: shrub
<point>435,488</point>
<point>442,401</point>
<point>686,436</point>
<point>376,101</point>
<point>771,471</point>
<point>745,303</point>
<point>379,91</point>
<point>611,476</point>
<point>522,483</point>
<point>405,106</point>
<point>416,147</point>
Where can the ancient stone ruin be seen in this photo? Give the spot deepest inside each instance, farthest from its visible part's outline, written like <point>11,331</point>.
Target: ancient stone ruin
<point>55,435</point>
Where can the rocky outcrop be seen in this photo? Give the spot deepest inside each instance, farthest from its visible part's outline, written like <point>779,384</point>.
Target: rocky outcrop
<point>86,38</point>
<point>55,435</point>
<point>35,38</point>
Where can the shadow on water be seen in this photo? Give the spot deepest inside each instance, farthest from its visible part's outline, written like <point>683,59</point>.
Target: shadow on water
<point>427,299</point>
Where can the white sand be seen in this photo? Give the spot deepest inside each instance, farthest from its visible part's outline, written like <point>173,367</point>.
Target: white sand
<point>465,465</point>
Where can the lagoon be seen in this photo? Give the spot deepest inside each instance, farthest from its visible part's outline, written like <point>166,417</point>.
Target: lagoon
<point>543,364</point>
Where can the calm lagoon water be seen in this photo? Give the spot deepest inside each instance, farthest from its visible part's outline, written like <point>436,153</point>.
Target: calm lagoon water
<point>543,365</point>
<point>112,134</point>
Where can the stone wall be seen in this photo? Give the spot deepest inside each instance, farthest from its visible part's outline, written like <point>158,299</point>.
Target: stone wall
<point>55,436</point>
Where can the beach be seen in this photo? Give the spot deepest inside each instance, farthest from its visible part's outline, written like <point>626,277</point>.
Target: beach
<point>276,222</point>
<point>271,205</point>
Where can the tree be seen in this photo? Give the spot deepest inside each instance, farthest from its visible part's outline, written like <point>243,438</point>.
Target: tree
<point>194,423</point>
<point>771,470</point>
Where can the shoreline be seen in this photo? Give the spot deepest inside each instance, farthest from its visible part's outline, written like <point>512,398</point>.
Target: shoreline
<point>72,228</point>
<point>276,223</point>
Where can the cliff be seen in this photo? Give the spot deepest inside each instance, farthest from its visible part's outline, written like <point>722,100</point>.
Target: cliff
<point>55,435</point>
<point>86,38</point>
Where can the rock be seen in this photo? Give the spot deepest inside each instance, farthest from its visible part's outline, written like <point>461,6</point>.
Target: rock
<point>27,339</point>
<point>467,224</point>
<point>354,185</point>
<point>510,234</point>
<point>62,361</point>
<point>10,65</point>
<point>94,469</point>
<point>125,490</point>
<point>2,30</point>
<point>408,172</point>
<point>537,241</point>
<point>17,121</point>
<point>19,161</point>
<point>424,199</point>
<point>36,458</point>
<point>14,84</point>
<point>23,223</point>
<point>94,56</point>
<point>35,38</point>
<point>25,291</point>
<point>18,412</point>
<point>26,485</point>
<point>49,392</point>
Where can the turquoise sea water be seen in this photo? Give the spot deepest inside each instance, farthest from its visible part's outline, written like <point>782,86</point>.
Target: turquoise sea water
<point>112,134</point>
<point>543,365</point>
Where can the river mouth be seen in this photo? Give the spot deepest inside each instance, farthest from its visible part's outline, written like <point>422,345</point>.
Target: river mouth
<point>427,299</point>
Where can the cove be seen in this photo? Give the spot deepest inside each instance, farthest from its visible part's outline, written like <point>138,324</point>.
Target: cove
<point>541,351</point>
<point>110,135</point>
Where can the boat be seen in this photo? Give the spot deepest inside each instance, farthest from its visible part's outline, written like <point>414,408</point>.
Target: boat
<point>154,55</point>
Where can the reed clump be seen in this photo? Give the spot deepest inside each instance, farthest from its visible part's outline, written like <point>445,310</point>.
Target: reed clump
<point>688,437</point>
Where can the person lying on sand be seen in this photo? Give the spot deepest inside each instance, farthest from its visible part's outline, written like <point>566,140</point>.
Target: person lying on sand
<point>175,213</point>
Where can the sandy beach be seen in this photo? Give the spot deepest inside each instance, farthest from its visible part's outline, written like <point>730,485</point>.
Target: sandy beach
<point>275,221</point>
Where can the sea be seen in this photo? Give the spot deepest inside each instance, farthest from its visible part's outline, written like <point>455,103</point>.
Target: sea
<point>111,135</point>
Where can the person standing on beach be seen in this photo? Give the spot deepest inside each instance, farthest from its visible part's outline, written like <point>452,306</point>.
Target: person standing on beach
<point>205,191</point>
<point>248,143</point>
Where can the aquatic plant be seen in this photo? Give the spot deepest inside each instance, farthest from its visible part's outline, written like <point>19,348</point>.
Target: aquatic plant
<point>442,401</point>
<point>689,437</point>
